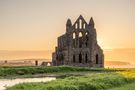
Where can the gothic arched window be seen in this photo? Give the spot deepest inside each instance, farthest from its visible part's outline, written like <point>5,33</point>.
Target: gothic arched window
<point>80,58</point>
<point>80,24</point>
<point>86,33</point>
<point>74,35</point>
<point>74,39</point>
<point>76,26</point>
<point>86,58</point>
<point>84,26</point>
<point>86,42</point>
<point>97,59</point>
<point>80,40</point>
<point>73,58</point>
<point>80,34</point>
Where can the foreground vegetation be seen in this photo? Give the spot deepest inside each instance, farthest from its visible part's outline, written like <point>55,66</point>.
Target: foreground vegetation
<point>130,86</point>
<point>98,81</point>
<point>94,79</point>
<point>12,72</point>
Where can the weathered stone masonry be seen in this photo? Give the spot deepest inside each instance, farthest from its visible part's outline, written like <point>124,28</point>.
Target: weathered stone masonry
<point>78,46</point>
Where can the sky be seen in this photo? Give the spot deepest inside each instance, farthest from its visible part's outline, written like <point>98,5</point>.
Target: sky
<point>34,25</point>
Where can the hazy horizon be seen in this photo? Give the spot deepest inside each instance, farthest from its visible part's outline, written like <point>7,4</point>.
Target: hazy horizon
<point>117,54</point>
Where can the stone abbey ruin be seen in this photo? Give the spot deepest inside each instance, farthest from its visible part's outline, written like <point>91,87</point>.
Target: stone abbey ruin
<point>78,46</point>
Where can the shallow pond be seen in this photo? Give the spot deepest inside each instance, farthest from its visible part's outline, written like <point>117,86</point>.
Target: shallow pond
<point>11,82</point>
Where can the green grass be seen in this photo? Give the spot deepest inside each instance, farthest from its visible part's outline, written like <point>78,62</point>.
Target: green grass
<point>125,87</point>
<point>80,78</point>
<point>96,81</point>
<point>9,72</point>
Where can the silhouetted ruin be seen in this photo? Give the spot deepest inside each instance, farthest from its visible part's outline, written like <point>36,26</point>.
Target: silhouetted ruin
<point>78,46</point>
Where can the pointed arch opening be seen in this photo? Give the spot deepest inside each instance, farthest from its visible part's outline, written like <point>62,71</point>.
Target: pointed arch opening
<point>74,39</point>
<point>86,58</point>
<point>86,33</point>
<point>86,42</point>
<point>76,26</point>
<point>97,62</point>
<point>80,34</point>
<point>80,40</point>
<point>80,58</point>
<point>74,36</point>
<point>80,24</point>
<point>84,26</point>
<point>73,58</point>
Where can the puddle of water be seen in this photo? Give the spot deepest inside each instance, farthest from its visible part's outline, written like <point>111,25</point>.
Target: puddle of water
<point>11,82</point>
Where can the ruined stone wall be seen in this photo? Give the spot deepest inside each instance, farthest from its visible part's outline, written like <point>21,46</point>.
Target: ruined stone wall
<point>78,46</point>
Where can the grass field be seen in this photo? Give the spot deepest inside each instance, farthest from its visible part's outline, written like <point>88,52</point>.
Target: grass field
<point>80,78</point>
<point>125,87</point>
<point>15,72</point>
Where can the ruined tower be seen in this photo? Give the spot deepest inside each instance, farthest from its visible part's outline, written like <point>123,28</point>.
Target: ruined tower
<point>78,46</point>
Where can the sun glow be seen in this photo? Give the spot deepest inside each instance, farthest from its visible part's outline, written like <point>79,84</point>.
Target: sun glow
<point>26,26</point>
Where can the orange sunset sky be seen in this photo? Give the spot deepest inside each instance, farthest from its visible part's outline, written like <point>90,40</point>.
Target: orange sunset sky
<point>29,28</point>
